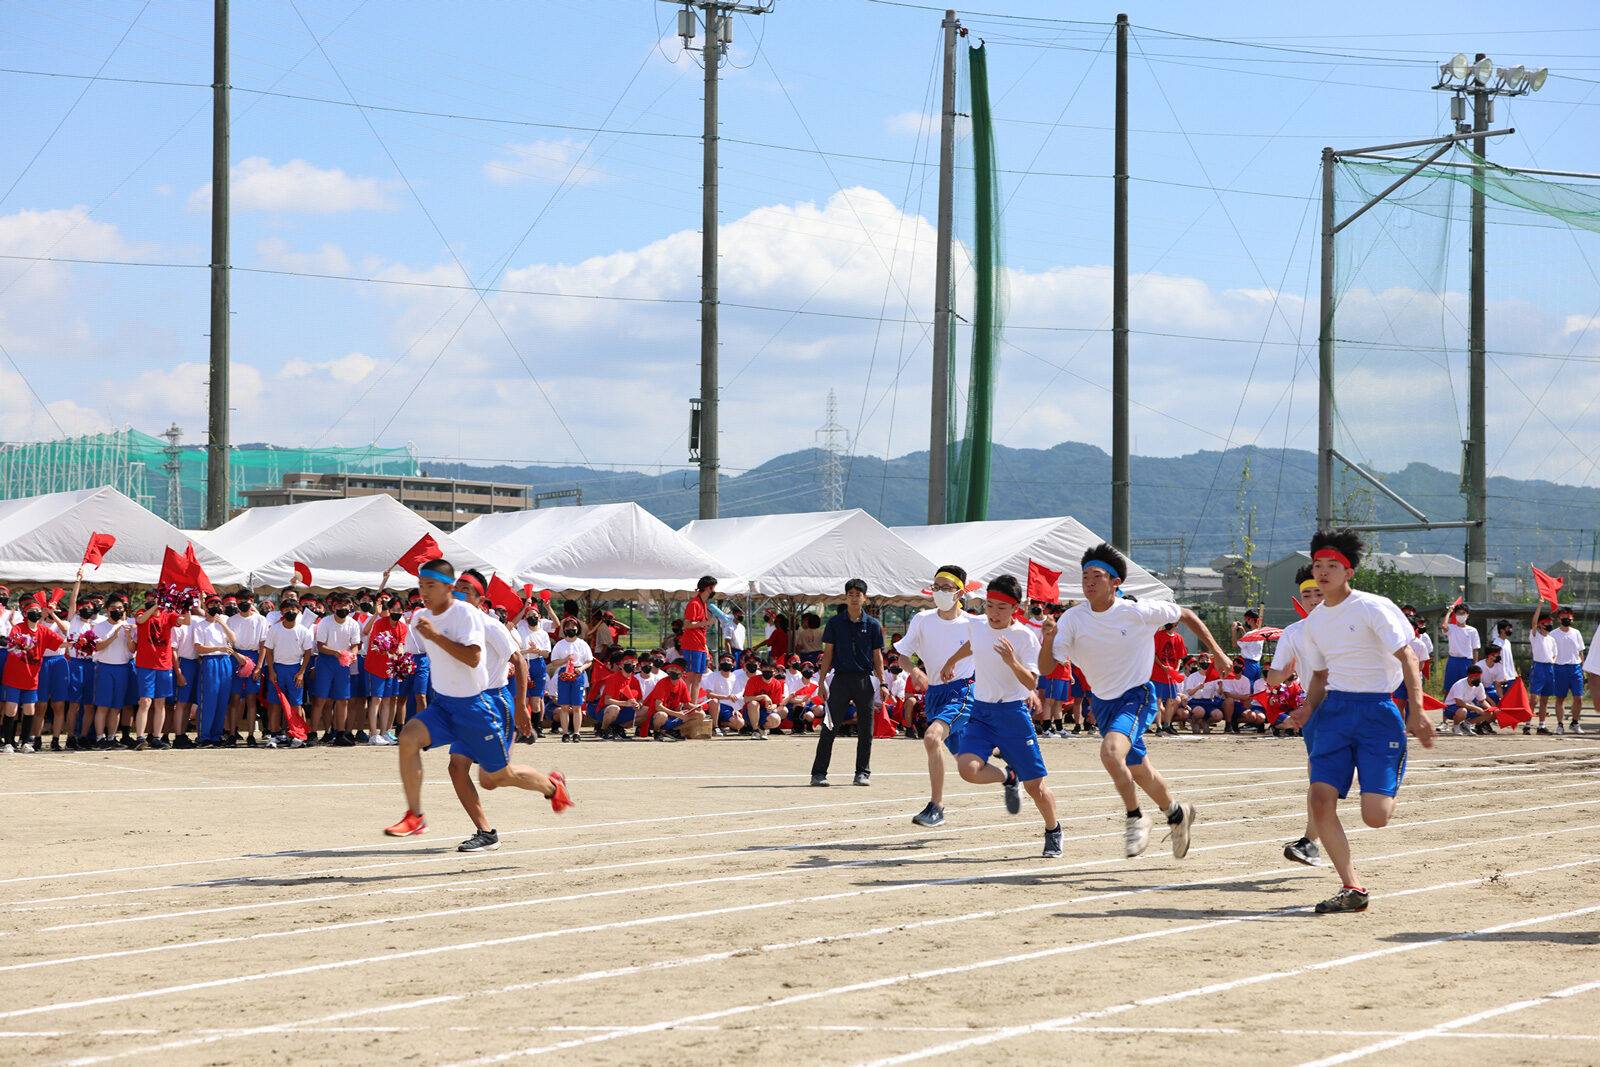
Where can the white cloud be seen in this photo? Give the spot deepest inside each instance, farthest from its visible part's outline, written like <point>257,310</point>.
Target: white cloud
<point>329,258</point>
<point>346,370</point>
<point>256,184</point>
<point>544,161</point>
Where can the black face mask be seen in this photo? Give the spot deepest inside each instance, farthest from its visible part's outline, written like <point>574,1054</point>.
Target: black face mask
<point>35,616</point>
<point>894,670</point>
<point>766,674</point>
<point>115,613</point>
<point>570,633</point>
<point>290,616</point>
<point>230,611</point>
<point>674,675</point>
<point>725,668</point>
<point>805,674</point>
<point>365,607</point>
<point>85,613</point>
<point>211,609</point>
<point>396,615</point>
<point>627,668</point>
<point>341,611</point>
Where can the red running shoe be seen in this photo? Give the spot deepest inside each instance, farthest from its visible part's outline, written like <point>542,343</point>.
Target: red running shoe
<point>410,826</point>
<point>560,801</point>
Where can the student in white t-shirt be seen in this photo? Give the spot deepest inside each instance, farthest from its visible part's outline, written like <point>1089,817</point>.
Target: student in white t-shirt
<point>1286,666</point>
<point>934,636</point>
<point>461,715</point>
<point>1467,701</point>
<point>1005,671</point>
<point>1357,649</point>
<point>1111,639</point>
<point>1567,641</point>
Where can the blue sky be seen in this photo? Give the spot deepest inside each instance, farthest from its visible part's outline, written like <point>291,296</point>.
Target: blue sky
<point>589,350</point>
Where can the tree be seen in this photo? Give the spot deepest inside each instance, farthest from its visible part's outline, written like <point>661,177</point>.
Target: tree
<point>1385,579</point>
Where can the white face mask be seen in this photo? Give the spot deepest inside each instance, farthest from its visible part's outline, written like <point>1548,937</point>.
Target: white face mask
<point>944,599</point>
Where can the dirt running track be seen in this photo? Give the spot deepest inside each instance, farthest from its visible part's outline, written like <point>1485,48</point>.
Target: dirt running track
<point>243,907</point>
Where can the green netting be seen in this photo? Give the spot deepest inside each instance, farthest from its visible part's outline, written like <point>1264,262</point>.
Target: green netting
<point>1401,317</point>
<point>136,464</point>
<point>968,499</point>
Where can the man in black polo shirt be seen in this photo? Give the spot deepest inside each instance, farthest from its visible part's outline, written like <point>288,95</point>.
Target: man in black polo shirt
<point>852,646</point>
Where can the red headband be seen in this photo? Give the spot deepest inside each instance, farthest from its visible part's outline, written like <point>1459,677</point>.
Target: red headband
<point>470,580</point>
<point>1004,598</point>
<point>1335,555</point>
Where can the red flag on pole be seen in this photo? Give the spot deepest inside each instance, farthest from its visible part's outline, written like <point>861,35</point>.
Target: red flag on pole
<point>418,554</point>
<point>196,573</point>
<point>1514,707</point>
<point>184,571</point>
<point>171,568</point>
<point>1299,608</point>
<point>1043,583</point>
<point>502,595</point>
<point>302,573</point>
<point>99,545</point>
<point>1456,604</point>
<point>1548,586</point>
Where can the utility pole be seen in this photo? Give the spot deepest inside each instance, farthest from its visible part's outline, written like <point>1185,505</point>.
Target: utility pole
<point>1477,482</point>
<point>217,440</point>
<point>1121,463</point>
<point>717,21</point>
<point>943,290</point>
<point>1325,349</point>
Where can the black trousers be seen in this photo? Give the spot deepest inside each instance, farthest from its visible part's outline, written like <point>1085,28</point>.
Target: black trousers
<point>853,687</point>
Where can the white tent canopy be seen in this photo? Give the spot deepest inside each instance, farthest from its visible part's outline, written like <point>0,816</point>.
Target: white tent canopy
<point>42,539</point>
<point>1004,546</point>
<point>347,543</point>
<point>617,549</point>
<point>813,555</point>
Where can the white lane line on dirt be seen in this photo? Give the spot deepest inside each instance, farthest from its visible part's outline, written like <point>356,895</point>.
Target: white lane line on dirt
<point>1031,871</point>
<point>457,882</point>
<point>1444,1029</point>
<point>1028,957</point>
<point>1238,983</point>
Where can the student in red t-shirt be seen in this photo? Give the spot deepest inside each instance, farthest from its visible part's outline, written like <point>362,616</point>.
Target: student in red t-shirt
<point>19,683</point>
<point>621,699</point>
<point>386,634</point>
<point>153,670</point>
<point>693,641</point>
<point>760,707</point>
<point>671,706</point>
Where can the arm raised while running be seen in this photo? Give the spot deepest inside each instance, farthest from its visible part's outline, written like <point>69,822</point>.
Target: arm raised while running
<point>1198,626</point>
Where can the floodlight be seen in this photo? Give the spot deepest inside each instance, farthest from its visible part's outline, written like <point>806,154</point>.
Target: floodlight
<point>1511,77</point>
<point>1482,70</point>
<point>1536,78</point>
<point>1457,68</point>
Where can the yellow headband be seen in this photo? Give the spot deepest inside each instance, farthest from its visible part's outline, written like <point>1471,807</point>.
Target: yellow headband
<point>1308,585</point>
<point>953,578</point>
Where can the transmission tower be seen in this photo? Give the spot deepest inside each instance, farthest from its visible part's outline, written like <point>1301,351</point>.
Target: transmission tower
<point>834,440</point>
<point>173,467</point>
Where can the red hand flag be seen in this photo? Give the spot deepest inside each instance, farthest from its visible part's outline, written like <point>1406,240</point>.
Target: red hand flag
<point>1454,605</point>
<point>1043,583</point>
<point>1513,707</point>
<point>1299,608</point>
<point>502,595</point>
<point>291,714</point>
<point>544,595</point>
<point>99,545</point>
<point>196,573</point>
<point>1548,586</point>
<point>418,554</point>
<point>302,573</point>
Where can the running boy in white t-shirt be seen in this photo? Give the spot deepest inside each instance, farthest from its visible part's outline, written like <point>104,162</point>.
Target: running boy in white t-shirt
<point>934,636</point>
<point>1004,655</point>
<point>1357,648</point>
<point>1111,639</point>
<point>1286,665</point>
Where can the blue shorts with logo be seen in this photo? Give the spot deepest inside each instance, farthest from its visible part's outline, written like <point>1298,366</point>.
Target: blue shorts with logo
<point>1005,725</point>
<point>471,726</point>
<point>950,703</point>
<point>381,687</point>
<point>1568,680</point>
<point>55,679</point>
<point>536,675</point>
<point>1358,734</point>
<point>1130,715</point>
<point>570,693</point>
<point>694,662</point>
<point>80,685</point>
<point>113,685</point>
<point>1541,680</point>
<point>153,683</point>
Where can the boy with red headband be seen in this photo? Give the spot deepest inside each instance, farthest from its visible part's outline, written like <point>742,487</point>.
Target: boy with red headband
<point>1357,647</point>
<point>693,642</point>
<point>1004,655</point>
<point>25,649</point>
<point>1111,639</point>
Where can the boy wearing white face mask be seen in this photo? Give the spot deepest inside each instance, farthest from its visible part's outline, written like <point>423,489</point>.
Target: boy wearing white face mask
<point>935,636</point>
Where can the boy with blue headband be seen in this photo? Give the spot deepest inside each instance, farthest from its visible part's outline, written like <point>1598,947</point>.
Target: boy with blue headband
<point>1111,639</point>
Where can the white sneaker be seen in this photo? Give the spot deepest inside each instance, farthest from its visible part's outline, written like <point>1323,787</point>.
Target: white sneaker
<point>1136,835</point>
<point>26,746</point>
<point>7,749</point>
<point>376,740</point>
<point>1461,728</point>
<point>295,742</point>
<point>1577,729</point>
<point>1180,831</point>
<point>1561,728</point>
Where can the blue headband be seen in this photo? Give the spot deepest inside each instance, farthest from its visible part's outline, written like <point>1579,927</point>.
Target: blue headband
<point>441,578</point>
<point>1108,568</point>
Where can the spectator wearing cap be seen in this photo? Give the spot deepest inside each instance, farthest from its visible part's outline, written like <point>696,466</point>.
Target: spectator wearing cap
<point>852,648</point>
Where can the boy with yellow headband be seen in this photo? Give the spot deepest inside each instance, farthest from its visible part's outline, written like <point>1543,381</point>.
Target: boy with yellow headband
<point>934,636</point>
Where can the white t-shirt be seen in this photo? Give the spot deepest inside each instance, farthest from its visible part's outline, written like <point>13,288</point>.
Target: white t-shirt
<point>183,639</point>
<point>1198,688</point>
<point>534,639</point>
<point>1499,672</point>
<point>118,651</point>
<point>339,636</point>
<point>248,632</point>
<point>1591,662</point>
<point>1541,647</point>
<point>1115,648</point>
<point>1463,641</point>
<point>719,685</point>
<point>1287,655</point>
<point>1568,646</point>
<point>1419,649</point>
<point>1506,662</point>
<point>498,647</point>
<point>647,683</point>
<point>207,632</point>
<point>464,626</point>
<point>1464,692</point>
<point>76,626</point>
<point>1252,648</point>
<point>288,644</point>
<point>1356,642</point>
<point>577,648</point>
<point>733,634</point>
<point>992,680</point>
<point>935,640</point>
<point>1241,688</point>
